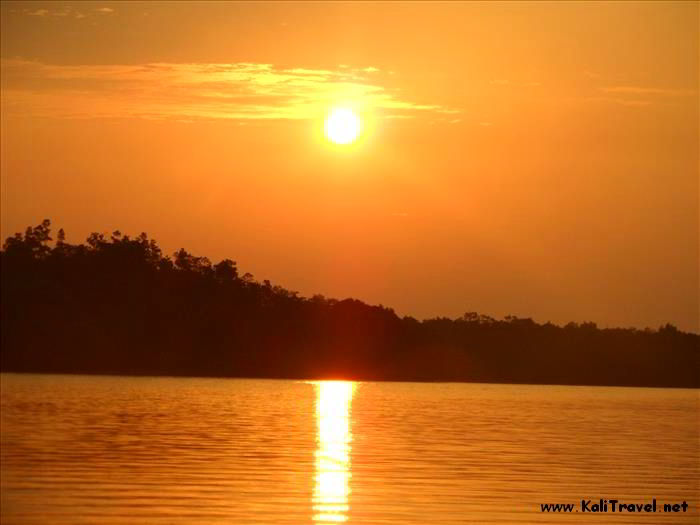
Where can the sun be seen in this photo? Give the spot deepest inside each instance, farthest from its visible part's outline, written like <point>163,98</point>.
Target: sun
<point>342,126</point>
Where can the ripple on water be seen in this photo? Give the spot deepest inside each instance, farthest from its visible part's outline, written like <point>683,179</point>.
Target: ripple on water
<point>108,450</point>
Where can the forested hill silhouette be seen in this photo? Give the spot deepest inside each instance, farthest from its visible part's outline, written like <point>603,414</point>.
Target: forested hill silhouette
<point>116,305</point>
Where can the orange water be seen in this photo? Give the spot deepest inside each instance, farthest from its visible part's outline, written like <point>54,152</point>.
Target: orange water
<point>115,450</point>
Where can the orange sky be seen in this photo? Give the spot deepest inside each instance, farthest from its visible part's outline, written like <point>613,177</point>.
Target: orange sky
<point>533,159</point>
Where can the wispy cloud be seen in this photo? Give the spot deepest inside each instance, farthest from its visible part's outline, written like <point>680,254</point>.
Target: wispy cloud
<point>189,91</point>
<point>637,96</point>
<point>64,11</point>
<point>621,101</point>
<point>643,90</point>
<point>516,84</point>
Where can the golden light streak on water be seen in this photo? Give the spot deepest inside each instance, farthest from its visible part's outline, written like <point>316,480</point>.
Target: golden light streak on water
<point>332,477</point>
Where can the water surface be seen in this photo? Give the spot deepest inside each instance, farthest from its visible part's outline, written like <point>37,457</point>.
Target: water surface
<point>114,450</point>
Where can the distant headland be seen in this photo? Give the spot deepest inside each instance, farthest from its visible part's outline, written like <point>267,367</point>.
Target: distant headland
<point>117,305</point>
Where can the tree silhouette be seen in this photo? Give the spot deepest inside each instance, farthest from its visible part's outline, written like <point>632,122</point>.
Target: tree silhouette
<point>117,305</point>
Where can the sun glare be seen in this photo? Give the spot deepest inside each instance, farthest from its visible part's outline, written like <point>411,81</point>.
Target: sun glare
<point>342,126</point>
<point>332,487</point>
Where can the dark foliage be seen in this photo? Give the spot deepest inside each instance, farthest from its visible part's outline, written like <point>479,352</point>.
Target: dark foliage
<point>116,305</point>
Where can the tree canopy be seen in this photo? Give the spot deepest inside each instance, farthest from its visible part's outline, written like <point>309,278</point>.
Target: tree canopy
<point>117,305</point>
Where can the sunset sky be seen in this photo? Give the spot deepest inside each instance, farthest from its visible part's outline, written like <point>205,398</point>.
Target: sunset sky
<point>534,159</point>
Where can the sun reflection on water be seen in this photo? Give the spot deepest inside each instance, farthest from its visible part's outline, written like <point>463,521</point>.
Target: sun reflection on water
<point>332,479</point>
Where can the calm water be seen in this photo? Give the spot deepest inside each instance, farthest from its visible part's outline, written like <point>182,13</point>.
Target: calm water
<point>164,450</point>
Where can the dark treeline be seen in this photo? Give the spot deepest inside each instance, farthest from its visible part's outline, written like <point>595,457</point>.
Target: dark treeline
<point>117,305</point>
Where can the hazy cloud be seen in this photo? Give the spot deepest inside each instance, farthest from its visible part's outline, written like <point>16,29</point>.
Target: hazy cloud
<point>642,90</point>
<point>105,10</point>
<point>64,11</point>
<point>196,91</point>
<point>638,96</point>
<point>621,101</point>
<point>517,84</point>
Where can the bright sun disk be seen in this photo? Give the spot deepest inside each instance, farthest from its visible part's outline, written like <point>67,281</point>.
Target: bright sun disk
<point>342,126</point>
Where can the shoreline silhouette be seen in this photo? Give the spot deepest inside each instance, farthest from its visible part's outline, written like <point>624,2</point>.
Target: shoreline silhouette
<point>117,305</point>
